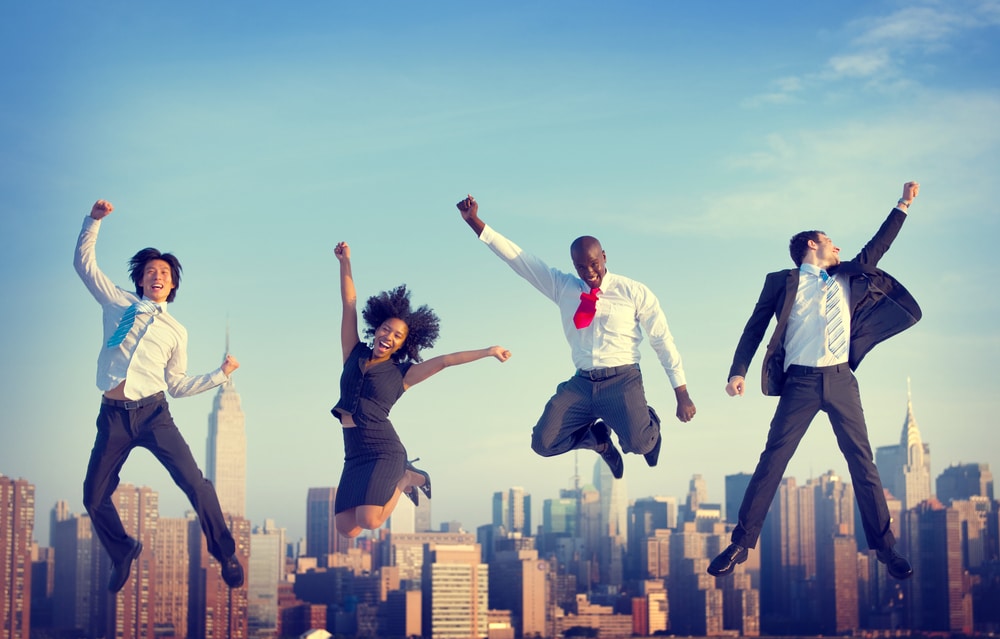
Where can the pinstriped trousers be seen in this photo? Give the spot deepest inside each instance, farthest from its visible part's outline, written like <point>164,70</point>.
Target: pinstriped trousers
<point>615,396</point>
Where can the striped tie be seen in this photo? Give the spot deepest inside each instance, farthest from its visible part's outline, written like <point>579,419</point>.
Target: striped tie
<point>836,338</point>
<point>128,319</point>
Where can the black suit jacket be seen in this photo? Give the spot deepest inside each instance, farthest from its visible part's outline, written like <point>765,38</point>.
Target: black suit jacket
<point>880,308</point>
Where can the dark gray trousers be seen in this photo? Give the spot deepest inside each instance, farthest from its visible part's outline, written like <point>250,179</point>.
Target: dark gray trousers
<point>834,390</point>
<point>614,395</point>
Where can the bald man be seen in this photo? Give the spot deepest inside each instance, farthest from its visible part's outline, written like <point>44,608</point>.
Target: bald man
<point>603,317</point>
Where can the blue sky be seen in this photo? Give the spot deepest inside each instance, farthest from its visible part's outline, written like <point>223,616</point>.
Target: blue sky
<point>692,138</point>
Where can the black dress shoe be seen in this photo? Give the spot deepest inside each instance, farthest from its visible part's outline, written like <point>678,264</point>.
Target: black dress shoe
<point>121,570</point>
<point>895,564</point>
<point>727,560</point>
<point>654,455</point>
<point>232,572</point>
<point>609,454</point>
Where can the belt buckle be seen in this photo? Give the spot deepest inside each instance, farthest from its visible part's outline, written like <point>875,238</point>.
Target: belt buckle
<point>598,374</point>
<point>132,404</point>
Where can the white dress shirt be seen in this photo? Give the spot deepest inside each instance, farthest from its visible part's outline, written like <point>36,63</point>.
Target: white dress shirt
<point>625,308</point>
<point>805,338</point>
<point>153,355</point>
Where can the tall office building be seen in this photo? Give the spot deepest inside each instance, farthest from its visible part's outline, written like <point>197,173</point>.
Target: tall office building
<point>512,510</point>
<point>788,561</point>
<point>613,527</point>
<point>517,582</point>
<point>131,613</point>
<point>59,512</point>
<point>455,588</point>
<point>17,524</point>
<point>978,540</point>
<point>406,552</point>
<point>962,481</point>
<point>647,517</point>
<point>170,596</point>
<point>905,469</point>
<point>559,516</point>
<point>226,459</point>
<point>267,569</point>
<point>322,538</point>
<point>404,516</point>
<point>940,597</point>
<point>695,599</point>
<point>836,553</point>
<point>215,610</point>
<point>697,493</point>
<point>736,486</point>
<point>80,594</point>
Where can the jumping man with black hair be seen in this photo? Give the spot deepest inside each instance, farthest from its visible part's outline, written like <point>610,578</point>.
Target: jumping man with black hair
<point>375,376</point>
<point>143,354</point>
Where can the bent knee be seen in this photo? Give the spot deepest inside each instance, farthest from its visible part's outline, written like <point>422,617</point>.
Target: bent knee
<point>369,520</point>
<point>543,449</point>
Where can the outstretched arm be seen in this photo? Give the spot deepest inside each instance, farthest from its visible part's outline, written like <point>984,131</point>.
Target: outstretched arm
<point>469,209</point>
<point>876,248</point>
<point>423,370</point>
<point>349,337</point>
<point>85,259</point>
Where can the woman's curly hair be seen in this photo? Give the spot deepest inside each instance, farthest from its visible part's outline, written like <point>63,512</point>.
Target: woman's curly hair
<point>422,324</point>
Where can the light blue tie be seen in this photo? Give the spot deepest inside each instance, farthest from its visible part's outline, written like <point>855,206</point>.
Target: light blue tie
<point>836,338</point>
<point>128,319</point>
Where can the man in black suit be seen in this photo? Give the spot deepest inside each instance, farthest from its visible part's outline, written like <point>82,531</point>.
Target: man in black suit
<point>809,363</point>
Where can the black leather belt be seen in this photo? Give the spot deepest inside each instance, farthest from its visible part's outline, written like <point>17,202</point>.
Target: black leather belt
<point>597,374</point>
<point>797,370</point>
<point>129,404</point>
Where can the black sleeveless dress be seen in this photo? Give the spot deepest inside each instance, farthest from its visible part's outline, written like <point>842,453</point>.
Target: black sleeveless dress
<point>374,457</point>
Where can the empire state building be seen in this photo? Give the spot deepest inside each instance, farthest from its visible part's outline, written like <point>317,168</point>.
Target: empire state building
<point>226,464</point>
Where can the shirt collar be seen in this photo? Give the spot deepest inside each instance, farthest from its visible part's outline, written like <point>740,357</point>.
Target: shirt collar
<point>812,269</point>
<point>161,307</point>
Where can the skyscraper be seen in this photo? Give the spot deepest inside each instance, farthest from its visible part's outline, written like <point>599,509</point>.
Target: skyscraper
<point>170,610</point>
<point>962,481</point>
<point>940,599</point>
<point>648,515</point>
<point>215,610</point>
<point>512,510</point>
<point>132,615</point>
<point>836,555</point>
<point>517,583</point>
<point>79,598</point>
<point>322,538</point>
<point>267,568</point>
<point>613,528</point>
<point>17,523</point>
<point>905,469</point>
<point>455,592</point>
<point>226,464</point>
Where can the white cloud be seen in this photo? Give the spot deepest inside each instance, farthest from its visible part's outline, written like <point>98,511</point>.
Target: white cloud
<point>879,46</point>
<point>860,65</point>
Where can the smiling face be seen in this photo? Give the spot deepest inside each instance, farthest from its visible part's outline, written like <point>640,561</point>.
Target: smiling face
<point>389,338</point>
<point>589,260</point>
<point>827,253</point>
<point>157,280</point>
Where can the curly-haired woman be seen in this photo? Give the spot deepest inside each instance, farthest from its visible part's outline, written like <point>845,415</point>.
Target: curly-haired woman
<point>375,471</point>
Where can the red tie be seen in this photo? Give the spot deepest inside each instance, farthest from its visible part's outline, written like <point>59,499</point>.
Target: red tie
<point>585,312</point>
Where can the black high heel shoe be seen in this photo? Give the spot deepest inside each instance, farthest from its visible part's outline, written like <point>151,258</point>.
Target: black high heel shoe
<point>413,496</point>
<point>426,486</point>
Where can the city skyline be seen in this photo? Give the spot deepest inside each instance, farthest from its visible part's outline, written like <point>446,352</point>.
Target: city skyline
<point>810,536</point>
<point>692,140</point>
